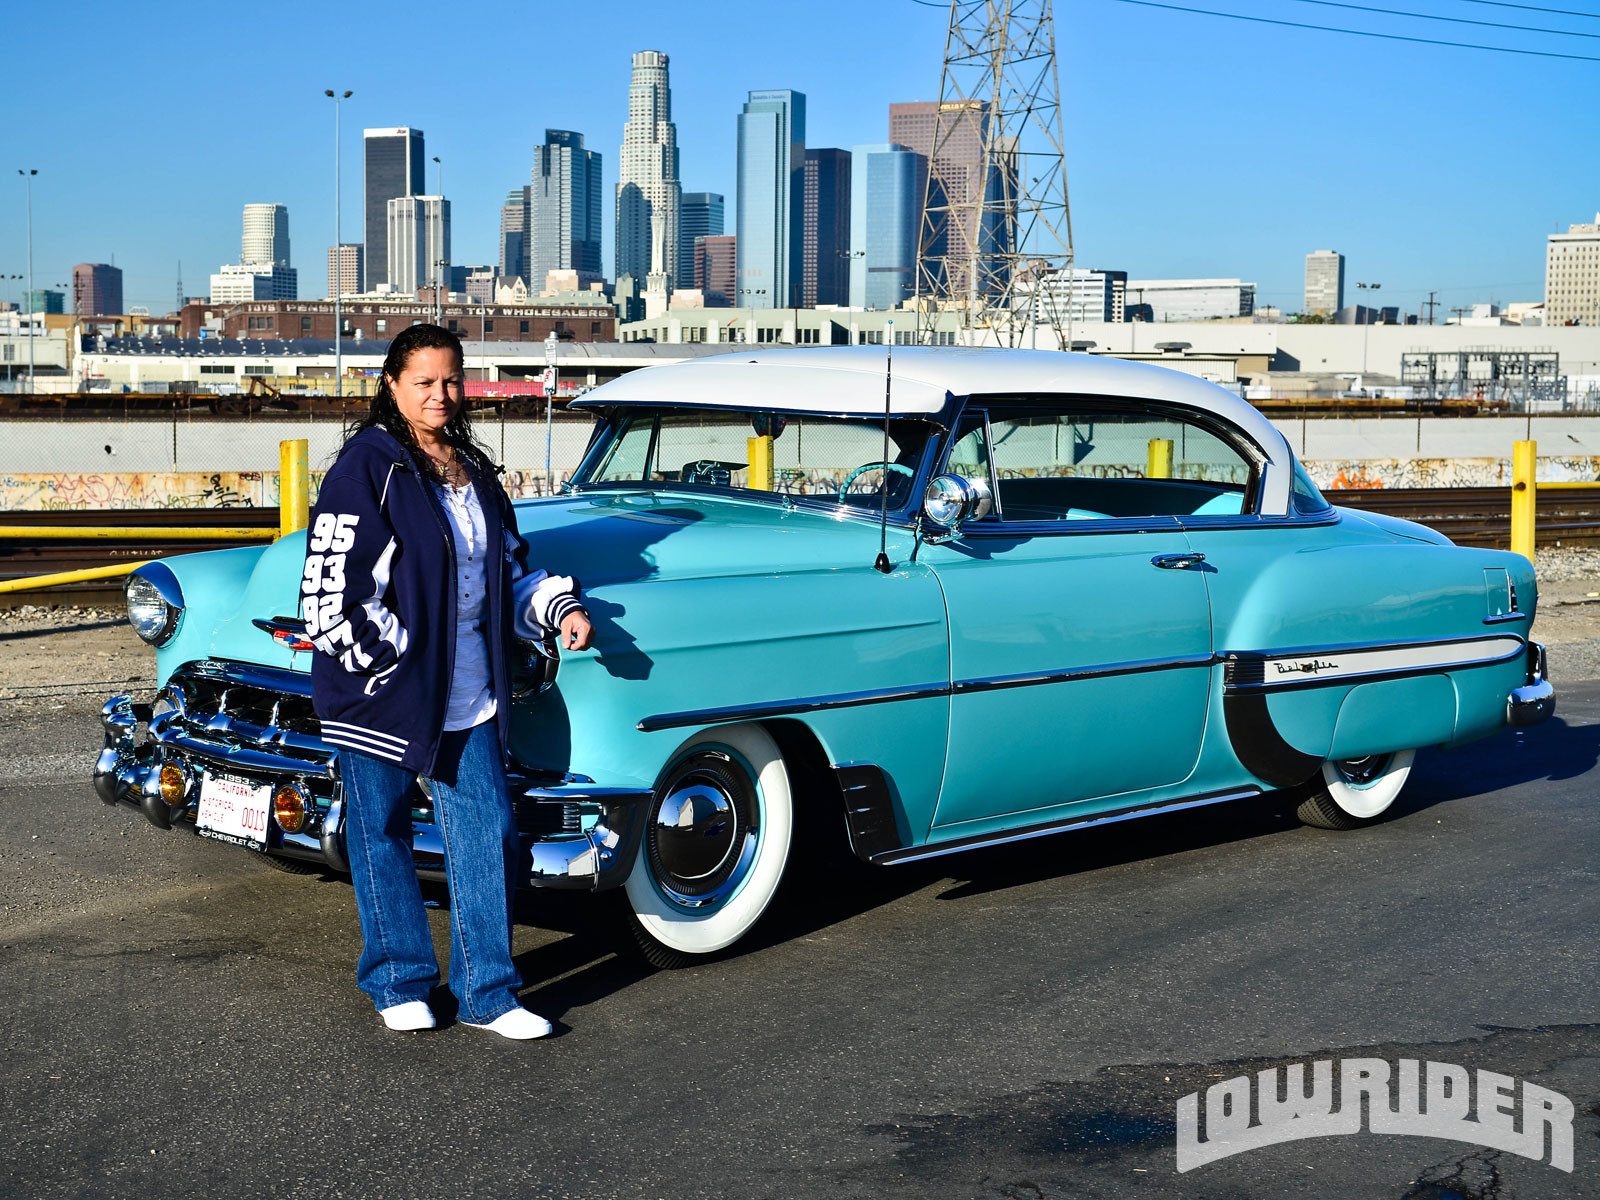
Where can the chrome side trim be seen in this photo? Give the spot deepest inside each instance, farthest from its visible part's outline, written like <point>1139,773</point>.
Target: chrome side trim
<point>1333,666</point>
<point>784,708</point>
<point>1070,674</point>
<point>1086,821</point>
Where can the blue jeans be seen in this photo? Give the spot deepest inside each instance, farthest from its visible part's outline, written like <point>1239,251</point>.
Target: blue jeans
<point>473,811</point>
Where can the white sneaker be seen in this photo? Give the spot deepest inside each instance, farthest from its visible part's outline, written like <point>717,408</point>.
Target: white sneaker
<point>519,1025</point>
<point>408,1017</point>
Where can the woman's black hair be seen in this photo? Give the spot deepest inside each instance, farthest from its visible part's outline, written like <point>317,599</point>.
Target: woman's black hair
<point>385,413</point>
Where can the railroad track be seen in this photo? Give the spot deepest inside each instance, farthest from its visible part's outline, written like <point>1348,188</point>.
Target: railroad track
<point>1482,516</point>
<point>1468,516</point>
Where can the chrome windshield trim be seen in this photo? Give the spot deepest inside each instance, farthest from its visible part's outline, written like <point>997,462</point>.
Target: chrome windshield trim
<point>1045,829</point>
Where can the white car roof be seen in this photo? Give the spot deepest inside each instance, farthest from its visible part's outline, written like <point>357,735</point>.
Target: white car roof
<point>850,380</point>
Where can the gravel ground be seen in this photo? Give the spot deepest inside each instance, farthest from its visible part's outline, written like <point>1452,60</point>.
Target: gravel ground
<point>61,662</point>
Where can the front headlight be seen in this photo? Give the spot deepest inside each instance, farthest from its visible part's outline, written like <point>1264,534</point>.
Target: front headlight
<point>152,618</point>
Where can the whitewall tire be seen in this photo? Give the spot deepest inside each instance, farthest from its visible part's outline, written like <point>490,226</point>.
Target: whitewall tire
<point>1356,791</point>
<point>715,845</point>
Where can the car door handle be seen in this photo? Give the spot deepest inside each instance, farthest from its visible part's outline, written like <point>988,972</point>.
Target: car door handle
<point>1178,562</point>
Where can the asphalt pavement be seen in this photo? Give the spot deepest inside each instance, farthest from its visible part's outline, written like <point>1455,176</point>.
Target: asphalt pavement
<point>183,1019</point>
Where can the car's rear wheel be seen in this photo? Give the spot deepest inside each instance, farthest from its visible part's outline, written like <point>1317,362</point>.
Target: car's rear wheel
<point>715,845</point>
<point>1355,791</point>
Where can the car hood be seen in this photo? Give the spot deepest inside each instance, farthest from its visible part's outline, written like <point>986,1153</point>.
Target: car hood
<point>618,537</point>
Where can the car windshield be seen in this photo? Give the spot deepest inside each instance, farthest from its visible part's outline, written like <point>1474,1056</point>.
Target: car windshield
<point>838,460</point>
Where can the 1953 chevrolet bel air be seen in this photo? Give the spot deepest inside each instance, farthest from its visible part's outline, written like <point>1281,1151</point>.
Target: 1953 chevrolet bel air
<point>966,598</point>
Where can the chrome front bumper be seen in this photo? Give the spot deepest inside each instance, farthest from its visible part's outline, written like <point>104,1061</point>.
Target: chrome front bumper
<point>575,835</point>
<point>1535,700</point>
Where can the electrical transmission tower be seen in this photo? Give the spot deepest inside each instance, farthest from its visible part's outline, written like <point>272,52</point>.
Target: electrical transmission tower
<point>996,240</point>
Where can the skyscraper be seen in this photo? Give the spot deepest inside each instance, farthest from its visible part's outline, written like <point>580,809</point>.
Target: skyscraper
<point>514,234</point>
<point>393,164</point>
<point>648,191</point>
<point>886,189</point>
<point>96,290</point>
<point>956,131</point>
<point>771,183</point>
<point>266,236</point>
<point>1324,282</point>
<point>346,269</point>
<point>699,215</point>
<point>714,269</point>
<point>263,271</point>
<point>418,237</point>
<point>562,213</point>
<point>825,274</point>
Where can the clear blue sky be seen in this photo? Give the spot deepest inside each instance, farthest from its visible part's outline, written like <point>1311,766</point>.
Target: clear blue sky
<point>1196,146</point>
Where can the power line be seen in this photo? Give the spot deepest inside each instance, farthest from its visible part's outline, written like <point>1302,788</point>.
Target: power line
<point>1560,12</point>
<point>1390,37</point>
<point>1397,12</point>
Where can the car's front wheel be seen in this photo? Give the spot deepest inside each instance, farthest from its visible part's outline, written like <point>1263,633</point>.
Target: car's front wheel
<point>715,845</point>
<point>1355,791</point>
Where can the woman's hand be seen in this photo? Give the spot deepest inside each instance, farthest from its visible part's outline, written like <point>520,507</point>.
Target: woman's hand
<point>576,632</point>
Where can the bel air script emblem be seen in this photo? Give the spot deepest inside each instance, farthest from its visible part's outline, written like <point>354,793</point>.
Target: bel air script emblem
<point>1308,666</point>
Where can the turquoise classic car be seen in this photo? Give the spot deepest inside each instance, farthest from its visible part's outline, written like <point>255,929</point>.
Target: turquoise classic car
<point>962,598</point>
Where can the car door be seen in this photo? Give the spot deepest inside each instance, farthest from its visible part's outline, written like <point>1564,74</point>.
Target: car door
<point>1080,631</point>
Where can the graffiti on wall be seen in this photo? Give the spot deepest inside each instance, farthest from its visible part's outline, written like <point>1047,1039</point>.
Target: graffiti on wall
<point>1352,474</point>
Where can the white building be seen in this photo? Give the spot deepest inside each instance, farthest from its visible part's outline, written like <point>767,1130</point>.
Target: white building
<point>266,235</point>
<point>419,242</point>
<point>647,183</point>
<point>1076,296</point>
<point>1192,299</point>
<point>1324,282</point>
<point>237,282</point>
<point>1572,276</point>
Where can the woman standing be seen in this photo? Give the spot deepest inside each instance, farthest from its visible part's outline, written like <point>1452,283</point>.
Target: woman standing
<point>415,580</point>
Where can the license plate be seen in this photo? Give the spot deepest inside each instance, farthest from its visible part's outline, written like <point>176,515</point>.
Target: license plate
<point>233,809</point>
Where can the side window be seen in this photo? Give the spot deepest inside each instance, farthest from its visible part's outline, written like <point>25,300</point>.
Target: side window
<point>1079,461</point>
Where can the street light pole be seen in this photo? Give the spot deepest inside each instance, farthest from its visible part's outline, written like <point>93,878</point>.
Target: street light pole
<point>1365,287</point>
<point>338,253</point>
<point>27,179</point>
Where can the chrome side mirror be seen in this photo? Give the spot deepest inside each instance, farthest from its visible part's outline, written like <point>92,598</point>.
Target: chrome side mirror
<point>952,500</point>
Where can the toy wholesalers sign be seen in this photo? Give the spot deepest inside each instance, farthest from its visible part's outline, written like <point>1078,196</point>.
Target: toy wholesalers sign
<point>1408,1097</point>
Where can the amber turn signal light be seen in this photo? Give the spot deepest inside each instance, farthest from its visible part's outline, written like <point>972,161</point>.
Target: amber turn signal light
<point>174,784</point>
<point>289,807</point>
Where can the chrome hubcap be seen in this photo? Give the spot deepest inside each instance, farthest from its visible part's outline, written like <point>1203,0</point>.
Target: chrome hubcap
<point>702,836</point>
<point>1360,772</point>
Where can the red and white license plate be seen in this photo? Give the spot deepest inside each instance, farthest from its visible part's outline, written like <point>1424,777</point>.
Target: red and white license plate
<point>233,809</point>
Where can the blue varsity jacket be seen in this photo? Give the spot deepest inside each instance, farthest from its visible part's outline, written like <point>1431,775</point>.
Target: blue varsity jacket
<point>378,597</point>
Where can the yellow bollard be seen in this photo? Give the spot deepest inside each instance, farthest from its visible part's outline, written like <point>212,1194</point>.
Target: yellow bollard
<point>760,452</point>
<point>294,486</point>
<point>1160,459</point>
<point>1524,496</point>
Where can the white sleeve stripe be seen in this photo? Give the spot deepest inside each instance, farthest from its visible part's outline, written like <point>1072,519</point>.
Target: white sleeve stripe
<point>349,742</point>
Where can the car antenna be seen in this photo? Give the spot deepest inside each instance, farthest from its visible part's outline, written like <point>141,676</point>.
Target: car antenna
<point>882,562</point>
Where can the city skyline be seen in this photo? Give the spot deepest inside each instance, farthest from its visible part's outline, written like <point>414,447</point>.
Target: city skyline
<point>1289,180</point>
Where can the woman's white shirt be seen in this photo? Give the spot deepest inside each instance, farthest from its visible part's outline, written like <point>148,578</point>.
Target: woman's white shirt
<point>472,699</point>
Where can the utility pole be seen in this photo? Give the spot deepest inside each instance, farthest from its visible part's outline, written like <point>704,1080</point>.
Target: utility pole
<point>27,178</point>
<point>338,253</point>
<point>1432,304</point>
